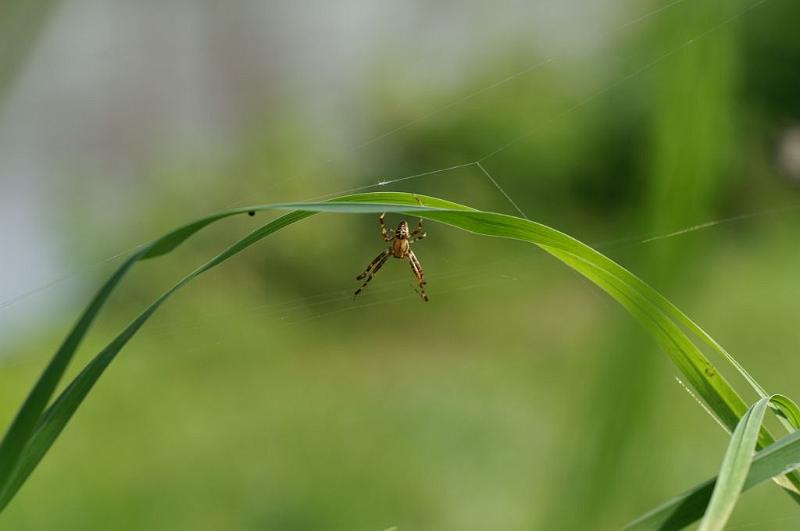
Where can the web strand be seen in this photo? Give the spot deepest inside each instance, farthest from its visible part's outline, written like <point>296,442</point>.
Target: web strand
<point>496,84</point>
<point>494,182</point>
<point>575,107</point>
<point>478,163</point>
<point>638,240</point>
<point>508,79</point>
<point>624,79</point>
<point>455,103</point>
<point>650,14</point>
<point>392,181</point>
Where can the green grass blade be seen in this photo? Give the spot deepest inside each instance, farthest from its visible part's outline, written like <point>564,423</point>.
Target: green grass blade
<point>790,410</point>
<point>677,513</point>
<point>734,469</point>
<point>642,301</point>
<point>56,417</point>
<point>787,411</point>
<point>23,424</point>
<point>721,397</point>
<point>25,421</point>
<point>22,427</point>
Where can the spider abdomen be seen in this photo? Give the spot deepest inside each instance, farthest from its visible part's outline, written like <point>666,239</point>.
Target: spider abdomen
<point>400,248</point>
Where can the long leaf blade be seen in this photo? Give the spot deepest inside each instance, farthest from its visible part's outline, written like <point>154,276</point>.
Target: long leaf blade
<point>734,469</point>
<point>642,301</point>
<point>779,458</point>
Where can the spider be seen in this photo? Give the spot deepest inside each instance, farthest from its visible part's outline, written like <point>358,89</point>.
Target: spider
<point>399,247</point>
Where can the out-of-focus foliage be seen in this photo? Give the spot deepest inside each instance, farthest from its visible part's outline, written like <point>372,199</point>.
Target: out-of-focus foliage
<point>325,414</point>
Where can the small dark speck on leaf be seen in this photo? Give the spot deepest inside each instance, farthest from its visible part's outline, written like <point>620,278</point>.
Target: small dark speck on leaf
<point>252,213</point>
<point>710,372</point>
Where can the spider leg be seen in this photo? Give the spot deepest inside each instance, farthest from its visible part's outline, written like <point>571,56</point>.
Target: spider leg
<point>372,269</point>
<point>417,234</point>
<point>372,264</point>
<point>385,234</point>
<point>416,267</point>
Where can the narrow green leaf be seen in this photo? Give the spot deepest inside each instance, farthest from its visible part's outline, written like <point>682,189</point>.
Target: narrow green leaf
<point>28,440</point>
<point>677,513</point>
<point>25,421</point>
<point>734,469</point>
<point>56,417</point>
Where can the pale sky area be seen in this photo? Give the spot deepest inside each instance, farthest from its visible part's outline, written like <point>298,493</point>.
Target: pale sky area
<point>109,87</point>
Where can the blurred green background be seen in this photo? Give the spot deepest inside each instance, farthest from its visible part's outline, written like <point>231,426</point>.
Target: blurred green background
<point>520,397</point>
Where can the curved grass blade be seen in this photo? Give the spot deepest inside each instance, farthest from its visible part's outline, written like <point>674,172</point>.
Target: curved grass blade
<point>679,512</point>
<point>56,417</point>
<point>701,371</point>
<point>642,301</point>
<point>21,429</point>
<point>785,408</point>
<point>734,469</point>
<point>25,421</point>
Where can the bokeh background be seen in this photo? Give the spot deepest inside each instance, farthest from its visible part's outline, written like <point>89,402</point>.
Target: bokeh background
<point>521,397</point>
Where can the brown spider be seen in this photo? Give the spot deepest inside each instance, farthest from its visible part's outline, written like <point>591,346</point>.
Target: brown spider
<point>400,247</point>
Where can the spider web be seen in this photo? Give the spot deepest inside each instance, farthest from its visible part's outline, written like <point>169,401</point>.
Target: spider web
<point>479,165</point>
<point>295,312</point>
